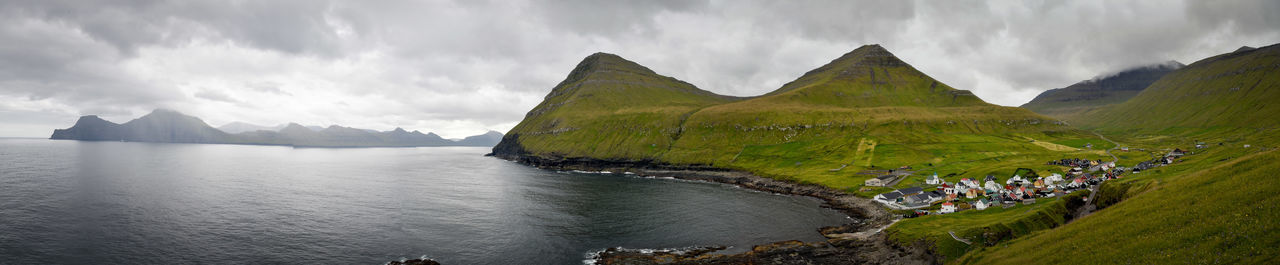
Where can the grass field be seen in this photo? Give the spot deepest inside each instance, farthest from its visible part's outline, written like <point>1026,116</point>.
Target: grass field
<point>1221,214</point>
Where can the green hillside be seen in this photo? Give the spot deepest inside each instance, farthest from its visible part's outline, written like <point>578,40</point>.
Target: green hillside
<point>1204,212</point>
<point>1217,205</point>
<point>864,110</point>
<point>1100,91</point>
<point>608,108</point>
<point>868,110</point>
<point>1233,90</point>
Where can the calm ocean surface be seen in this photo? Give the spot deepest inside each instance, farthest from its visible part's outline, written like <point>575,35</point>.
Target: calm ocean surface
<point>70,202</point>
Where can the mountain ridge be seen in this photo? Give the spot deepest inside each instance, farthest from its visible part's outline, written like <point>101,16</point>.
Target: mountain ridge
<point>168,126</point>
<point>866,96</point>
<point>1099,91</point>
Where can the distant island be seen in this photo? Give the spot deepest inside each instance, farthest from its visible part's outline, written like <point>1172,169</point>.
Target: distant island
<point>168,126</point>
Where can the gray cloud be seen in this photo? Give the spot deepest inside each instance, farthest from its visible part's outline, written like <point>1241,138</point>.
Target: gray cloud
<point>215,95</point>
<point>461,67</point>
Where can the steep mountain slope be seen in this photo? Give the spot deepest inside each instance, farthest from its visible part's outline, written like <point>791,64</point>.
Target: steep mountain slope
<point>864,110</point>
<point>1099,91</point>
<point>1234,90</point>
<point>607,108</point>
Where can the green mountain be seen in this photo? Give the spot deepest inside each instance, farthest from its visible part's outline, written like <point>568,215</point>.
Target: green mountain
<point>864,110</point>
<point>608,108</point>
<point>1099,91</point>
<point>1232,90</point>
<point>167,126</point>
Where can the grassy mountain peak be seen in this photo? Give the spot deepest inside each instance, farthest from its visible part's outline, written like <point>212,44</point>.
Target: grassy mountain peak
<point>870,76</point>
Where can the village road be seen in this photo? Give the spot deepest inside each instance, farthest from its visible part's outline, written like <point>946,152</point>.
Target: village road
<point>1116,145</point>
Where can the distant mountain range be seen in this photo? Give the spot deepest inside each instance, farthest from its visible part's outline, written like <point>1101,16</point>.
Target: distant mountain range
<point>167,126</point>
<point>1099,91</point>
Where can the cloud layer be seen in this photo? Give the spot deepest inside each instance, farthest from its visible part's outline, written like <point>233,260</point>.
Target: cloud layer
<point>460,68</point>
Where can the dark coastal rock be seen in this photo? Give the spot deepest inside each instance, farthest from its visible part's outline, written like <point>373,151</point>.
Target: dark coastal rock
<point>414,262</point>
<point>785,252</point>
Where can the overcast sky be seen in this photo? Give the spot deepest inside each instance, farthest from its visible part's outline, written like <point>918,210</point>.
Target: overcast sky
<point>462,68</point>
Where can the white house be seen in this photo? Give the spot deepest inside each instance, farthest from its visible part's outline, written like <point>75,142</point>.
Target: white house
<point>1055,178</point>
<point>948,207</point>
<point>992,186</point>
<point>1016,179</point>
<point>969,183</point>
<point>933,180</point>
<point>981,204</point>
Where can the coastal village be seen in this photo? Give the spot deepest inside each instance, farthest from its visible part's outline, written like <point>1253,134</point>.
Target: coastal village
<point>937,196</point>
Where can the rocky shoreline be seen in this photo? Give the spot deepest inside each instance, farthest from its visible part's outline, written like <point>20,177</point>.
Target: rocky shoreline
<point>860,242</point>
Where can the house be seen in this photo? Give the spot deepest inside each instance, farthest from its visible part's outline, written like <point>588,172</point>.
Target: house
<point>991,185</point>
<point>1054,178</point>
<point>1177,153</point>
<point>1077,183</point>
<point>948,207</point>
<point>952,197</point>
<point>971,193</point>
<point>968,182</point>
<point>1076,171</point>
<point>981,204</point>
<point>933,180</point>
<point>1247,146</point>
<point>919,199</point>
<point>1126,149</point>
<point>1039,183</point>
<point>1015,180</point>
<point>1029,201</point>
<point>911,191</point>
<point>990,178</point>
<point>946,188</point>
<point>880,181</point>
<point>889,197</point>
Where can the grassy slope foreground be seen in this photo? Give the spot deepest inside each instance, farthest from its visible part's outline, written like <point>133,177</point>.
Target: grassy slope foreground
<point>1217,206</point>
<point>1223,214</point>
<point>864,110</point>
